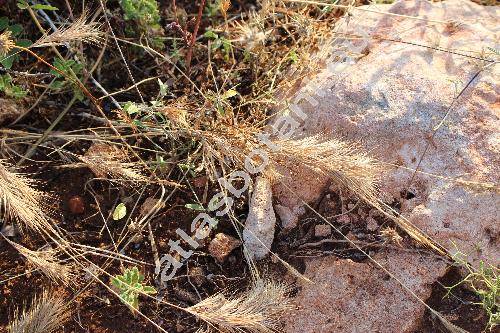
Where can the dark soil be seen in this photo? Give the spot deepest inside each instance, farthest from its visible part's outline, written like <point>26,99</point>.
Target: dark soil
<point>456,307</point>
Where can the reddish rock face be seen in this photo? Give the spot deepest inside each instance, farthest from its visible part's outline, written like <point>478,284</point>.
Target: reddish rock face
<point>400,101</point>
<point>346,296</point>
<point>76,205</point>
<point>222,245</point>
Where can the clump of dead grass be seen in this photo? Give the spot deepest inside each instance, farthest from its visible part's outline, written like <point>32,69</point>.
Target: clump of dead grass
<point>21,202</point>
<point>107,161</point>
<point>46,314</point>
<point>258,310</point>
<point>47,262</point>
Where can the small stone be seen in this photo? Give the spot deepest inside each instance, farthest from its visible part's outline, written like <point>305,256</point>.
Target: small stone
<point>371,224</point>
<point>344,219</point>
<point>76,205</point>
<point>222,245</point>
<point>149,205</point>
<point>197,276</point>
<point>288,219</point>
<point>322,230</point>
<point>8,230</point>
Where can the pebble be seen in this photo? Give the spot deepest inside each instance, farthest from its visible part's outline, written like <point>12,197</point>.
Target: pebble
<point>322,230</point>
<point>222,245</point>
<point>76,205</point>
<point>371,224</point>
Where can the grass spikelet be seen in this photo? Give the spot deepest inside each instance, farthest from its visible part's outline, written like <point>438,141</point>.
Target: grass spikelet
<point>47,262</point>
<point>6,42</point>
<point>77,31</point>
<point>258,310</point>
<point>108,161</point>
<point>21,202</point>
<point>45,315</point>
<point>346,163</point>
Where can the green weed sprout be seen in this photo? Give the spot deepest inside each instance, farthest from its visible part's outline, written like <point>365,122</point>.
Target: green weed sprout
<point>485,283</point>
<point>147,16</point>
<point>130,285</point>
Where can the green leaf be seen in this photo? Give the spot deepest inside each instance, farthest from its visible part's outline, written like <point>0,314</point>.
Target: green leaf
<point>120,212</point>
<point>230,93</point>
<point>44,7</point>
<point>163,88</point>
<point>211,34</point>
<point>293,56</point>
<point>134,276</point>
<point>149,290</point>
<point>4,22</point>
<point>194,206</point>
<point>116,283</point>
<point>16,29</point>
<point>8,61</point>
<point>131,108</point>
<point>22,4</point>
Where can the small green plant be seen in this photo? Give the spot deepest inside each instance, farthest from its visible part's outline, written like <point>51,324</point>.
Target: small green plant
<point>130,285</point>
<point>23,4</point>
<point>220,42</point>
<point>144,12</point>
<point>147,16</point>
<point>70,68</point>
<point>485,282</point>
<point>9,88</point>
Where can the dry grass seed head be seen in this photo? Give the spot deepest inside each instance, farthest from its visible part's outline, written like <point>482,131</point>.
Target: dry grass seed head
<point>45,315</point>
<point>21,202</point>
<point>258,310</point>
<point>391,236</point>
<point>47,262</point>
<point>346,163</point>
<point>106,161</point>
<point>77,31</point>
<point>6,42</point>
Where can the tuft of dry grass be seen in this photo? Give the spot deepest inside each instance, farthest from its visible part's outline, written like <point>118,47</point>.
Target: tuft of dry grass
<point>47,262</point>
<point>258,310</point>
<point>346,163</point>
<point>45,315</point>
<point>77,31</point>
<point>21,202</point>
<point>108,161</point>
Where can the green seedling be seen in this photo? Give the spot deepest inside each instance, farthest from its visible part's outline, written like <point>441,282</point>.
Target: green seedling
<point>72,69</point>
<point>485,283</point>
<point>9,88</point>
<point>147,16</point>
<point>219,43</point>
<point>130,286</point>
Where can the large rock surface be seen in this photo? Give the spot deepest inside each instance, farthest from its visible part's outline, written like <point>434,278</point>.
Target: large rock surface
<point>391,99</point>
<point>346,296</point>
